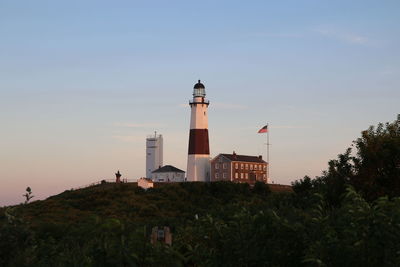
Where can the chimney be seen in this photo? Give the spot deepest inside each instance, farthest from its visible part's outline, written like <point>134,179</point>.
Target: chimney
<point>260,156</point>
<point>234,154</point>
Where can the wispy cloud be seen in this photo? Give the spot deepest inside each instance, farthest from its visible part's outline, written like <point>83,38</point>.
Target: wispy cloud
<point>343,36</point>
<point>128,138</point>
<point>274,35</point>
<point>389,72</point>
<point>220,105</point>
<point>137,125</point>
<point>288,127</point>
<point>272,126</point>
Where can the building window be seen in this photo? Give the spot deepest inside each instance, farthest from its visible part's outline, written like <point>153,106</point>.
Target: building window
<point>265,168</point>
<point>247,166</point>
<point>251,166</point>
<point>160,235</point>
<point>236,166</point>
<point>241,166</point>
<point>216,166</point>
<point>224,165</point>
<point>241,175</point>
<point>224,175</point>
<point>265,176</point>
<point>236,175</point>
<point>255,167</point>
<point>247,176</point>
<point>216,175</point>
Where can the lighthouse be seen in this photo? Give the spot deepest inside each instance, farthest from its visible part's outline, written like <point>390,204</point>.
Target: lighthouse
<point>198,167</point>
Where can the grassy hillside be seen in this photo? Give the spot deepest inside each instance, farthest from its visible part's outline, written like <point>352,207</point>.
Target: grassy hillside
<point>213,224</point>
<point>128,202</point>
<point>348,216</point>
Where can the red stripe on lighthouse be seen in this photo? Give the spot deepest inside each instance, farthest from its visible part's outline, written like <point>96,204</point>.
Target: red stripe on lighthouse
<point>198,142</point>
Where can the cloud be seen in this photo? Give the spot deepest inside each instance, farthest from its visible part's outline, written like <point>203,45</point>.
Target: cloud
<point>128,138</point>
<point>137,125</point>
<point>288,127</point>
<point>344,36</point>
<point>389,72</point>
<point>275,35</point>
<point>220,105</point>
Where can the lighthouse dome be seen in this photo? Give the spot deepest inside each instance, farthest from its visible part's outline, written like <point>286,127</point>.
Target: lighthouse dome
<point>198,85</point>
<point>199,90</point>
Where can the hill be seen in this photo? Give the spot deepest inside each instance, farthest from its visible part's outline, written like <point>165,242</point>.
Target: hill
<point>213,224</point>
<point>128,202</point>
<point>348,216</point>
<point>76,218</point>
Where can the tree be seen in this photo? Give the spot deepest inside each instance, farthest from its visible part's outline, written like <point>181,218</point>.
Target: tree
<point>377,162</point>
<point>28,195</point>
<point>373,170</point>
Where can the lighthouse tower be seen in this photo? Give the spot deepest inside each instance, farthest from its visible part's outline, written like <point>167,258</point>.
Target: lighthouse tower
<point>198,168</point>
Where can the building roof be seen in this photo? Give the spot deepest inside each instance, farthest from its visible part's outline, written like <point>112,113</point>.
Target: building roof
<point>199,85</point>
<point>235,157</point>
<point>167,168</point>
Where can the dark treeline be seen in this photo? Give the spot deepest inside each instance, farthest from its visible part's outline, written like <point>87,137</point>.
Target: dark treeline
<point>349,216</point>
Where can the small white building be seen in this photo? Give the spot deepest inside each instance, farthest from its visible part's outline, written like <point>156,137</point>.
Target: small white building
<point>154,153</point>
<point>168,173</point>
<point>145,183</point>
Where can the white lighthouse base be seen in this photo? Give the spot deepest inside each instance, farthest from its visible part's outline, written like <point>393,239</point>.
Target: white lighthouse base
<point>198,168</point>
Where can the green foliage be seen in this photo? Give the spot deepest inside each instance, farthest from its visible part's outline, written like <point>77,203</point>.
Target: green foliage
<point>237,226</point>
<point>373,170</point>
<point>349,216</point>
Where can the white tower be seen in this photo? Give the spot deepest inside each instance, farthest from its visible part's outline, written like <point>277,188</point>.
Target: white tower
<point>198,168</point>
<point>154,153</point>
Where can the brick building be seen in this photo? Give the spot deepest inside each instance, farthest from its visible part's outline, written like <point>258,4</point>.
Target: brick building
<point>238,168</point>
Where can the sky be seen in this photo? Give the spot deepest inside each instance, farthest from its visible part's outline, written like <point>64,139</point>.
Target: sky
<point>82,83</point>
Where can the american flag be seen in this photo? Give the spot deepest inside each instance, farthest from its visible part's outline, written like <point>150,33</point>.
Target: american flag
<point>263,129</point>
